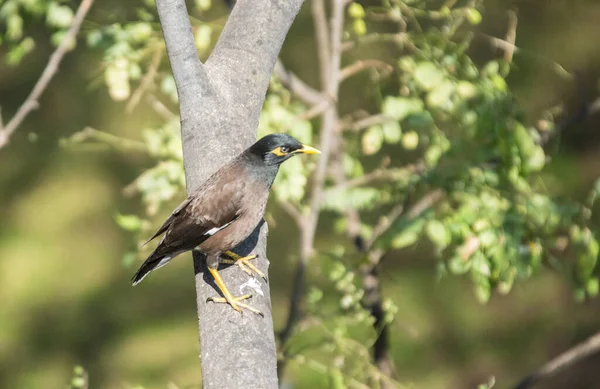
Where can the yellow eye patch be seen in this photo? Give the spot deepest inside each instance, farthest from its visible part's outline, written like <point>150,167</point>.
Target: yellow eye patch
<point>280,151</point>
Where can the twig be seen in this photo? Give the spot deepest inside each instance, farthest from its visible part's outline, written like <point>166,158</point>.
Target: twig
<point>427,201</point>
<point>32,101</point>
<point>562,362</point>
<point>117,142</point>
<point>508,46</point>
<point>330,61</point>
<point>384,223</point>
<point>359,66</point>
<point>314,111</point>
<point>370,121</point>
<point>511,35</point>
<point>147,80</point>
<point>299,88</point>
<point>294,212</point>
<point>159,107</point>
<point>319,16</point>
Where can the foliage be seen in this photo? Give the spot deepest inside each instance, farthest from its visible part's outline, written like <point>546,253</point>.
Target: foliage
<point>444,124</point>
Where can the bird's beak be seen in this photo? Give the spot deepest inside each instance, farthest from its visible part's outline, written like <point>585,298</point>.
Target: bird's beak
<point>308,150</point>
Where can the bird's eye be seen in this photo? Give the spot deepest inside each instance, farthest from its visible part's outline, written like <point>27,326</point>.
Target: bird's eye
<point>284,149</point>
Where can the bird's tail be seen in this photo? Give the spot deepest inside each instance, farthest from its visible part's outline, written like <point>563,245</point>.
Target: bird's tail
<point>152,263</point>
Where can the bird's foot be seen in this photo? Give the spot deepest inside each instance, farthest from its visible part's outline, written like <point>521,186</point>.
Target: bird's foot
<point>244,263</point>
<point>236,303</point>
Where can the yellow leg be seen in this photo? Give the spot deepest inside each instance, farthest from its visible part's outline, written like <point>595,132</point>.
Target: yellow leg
<point>228,297</point>
<point>244,263</point>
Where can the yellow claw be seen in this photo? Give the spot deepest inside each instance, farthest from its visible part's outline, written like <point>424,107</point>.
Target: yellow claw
<point>228,298</point>
<point>244,263</point>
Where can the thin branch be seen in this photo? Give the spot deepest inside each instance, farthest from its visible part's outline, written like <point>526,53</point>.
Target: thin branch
<point>370,121</point>
<point>32,101</point>
<point>118,143</point>
<point>315,111</point>
<point>294,212</point>
<point>361,65</point>
<point>330,61</point>
<point>385,222</point>
<point>319,16</point>
<point>190,74</point>
<point>159,107</point>
<point>424,203</point>
<point>508,46</point>
<point>511,35</point>
<point>147,80</point>
<point>562,362</point>
<point>299,88</point>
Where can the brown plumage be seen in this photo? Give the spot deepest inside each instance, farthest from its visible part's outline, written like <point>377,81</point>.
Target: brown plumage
<point>225,209</point>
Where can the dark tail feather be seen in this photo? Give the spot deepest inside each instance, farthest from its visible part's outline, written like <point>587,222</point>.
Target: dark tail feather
<point>152,263</point>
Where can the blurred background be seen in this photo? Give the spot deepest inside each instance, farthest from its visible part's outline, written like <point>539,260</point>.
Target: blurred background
<point>66,259</point>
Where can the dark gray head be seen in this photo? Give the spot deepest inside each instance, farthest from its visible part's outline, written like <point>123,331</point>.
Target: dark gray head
<point>274,149</point>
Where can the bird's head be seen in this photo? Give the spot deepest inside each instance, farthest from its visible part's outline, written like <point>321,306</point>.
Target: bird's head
<point>274,149</point>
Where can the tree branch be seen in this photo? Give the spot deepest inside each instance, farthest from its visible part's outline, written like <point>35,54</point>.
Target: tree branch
<point>32,101</point>
<point>562,362</point>
<point>190,74</point>
<point>299,88</point>
<point>330,61</point>
<point>359,66</point>
<point>220,104</point>
<point>146,82</point>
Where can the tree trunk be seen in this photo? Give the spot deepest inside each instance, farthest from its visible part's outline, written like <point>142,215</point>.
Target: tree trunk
<point>220,103</point>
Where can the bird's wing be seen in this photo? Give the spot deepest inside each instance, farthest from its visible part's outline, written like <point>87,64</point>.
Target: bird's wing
<point>170,219</point>
<point>212,208</point>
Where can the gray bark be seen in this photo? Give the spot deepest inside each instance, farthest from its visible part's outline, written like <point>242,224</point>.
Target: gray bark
<point>220,104</point>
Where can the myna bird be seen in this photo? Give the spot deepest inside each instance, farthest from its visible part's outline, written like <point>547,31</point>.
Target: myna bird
<point>224,211</point>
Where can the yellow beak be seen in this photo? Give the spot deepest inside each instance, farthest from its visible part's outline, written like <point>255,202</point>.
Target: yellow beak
<point>308,150</point>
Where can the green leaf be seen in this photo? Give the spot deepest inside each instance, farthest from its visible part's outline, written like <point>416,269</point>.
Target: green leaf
<point>401,107</point>
<point>356,11</point>
<point>410,140</point>
<point>203,37</point>
<point>428,75</point>
<point>437,233</point>
<point>59,16</point>
<point>359,26</point>
<point>130,223</point>
<point>372,140</point>
<point>392,132</point>
<point>473,16</point>
<point>592,287</point>
<point>440,96</point>
<point>408,233</point>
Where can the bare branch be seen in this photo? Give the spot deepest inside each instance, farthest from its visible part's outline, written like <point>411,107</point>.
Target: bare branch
<point>562,362</point>
<point>385,222</point>
<point>329,48</point>
<point>319,16</point>
<point>190,74</point>
<point>299,88</point>
<point>511,35</point>
<point>160,108</point>
<point>146,82</point>
<point>294,212</point>
<point>424,203</point>
<point>118,143</point>
<point>359,66</point>
<point>370,121</point>
<point>32,101</point>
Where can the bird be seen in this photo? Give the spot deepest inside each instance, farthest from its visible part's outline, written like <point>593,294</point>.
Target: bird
<point>223,211</point>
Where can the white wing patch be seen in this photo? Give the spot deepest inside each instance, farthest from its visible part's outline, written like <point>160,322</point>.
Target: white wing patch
<point>214,230</point>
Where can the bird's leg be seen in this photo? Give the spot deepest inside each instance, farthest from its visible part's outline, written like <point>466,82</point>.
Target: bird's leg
<point>235,302</point>
<point>244,263</point>
<point>238,302</point>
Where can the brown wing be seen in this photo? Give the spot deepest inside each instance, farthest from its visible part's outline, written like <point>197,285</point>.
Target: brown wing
<point>211,208</point>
